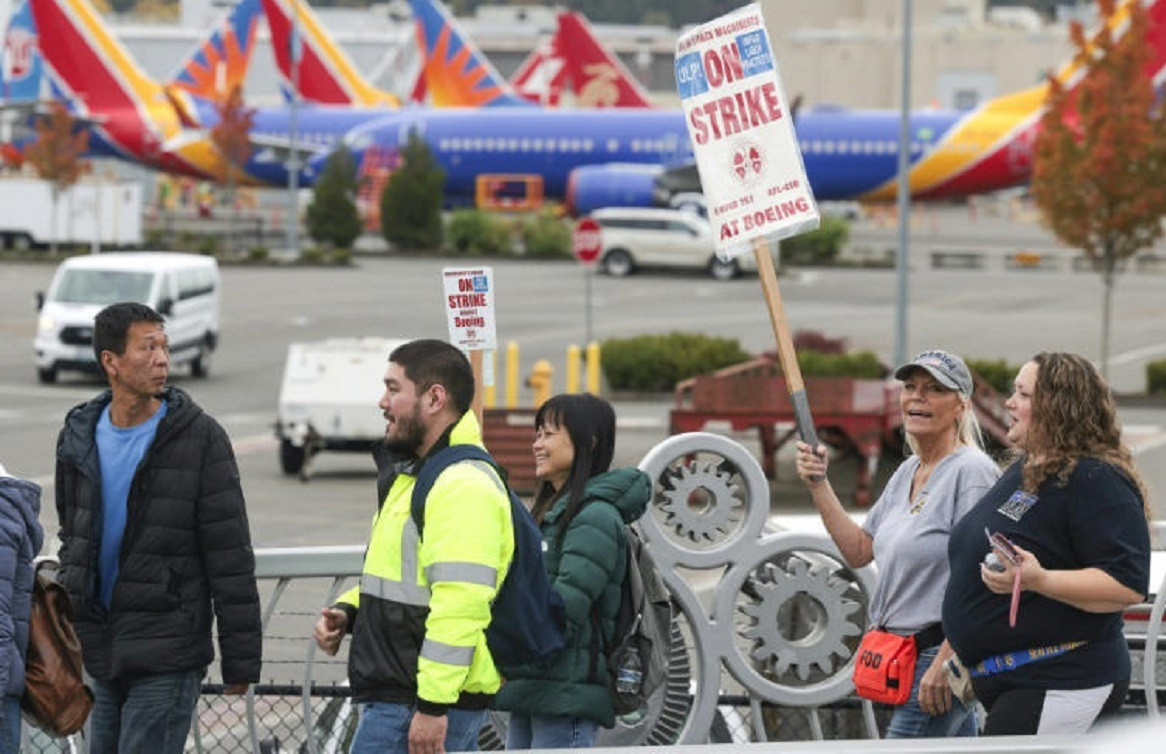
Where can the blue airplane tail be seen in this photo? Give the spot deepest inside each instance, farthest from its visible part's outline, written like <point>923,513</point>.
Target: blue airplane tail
<point>456,72</point>
<point>23,72</point>
<point>217,65</point>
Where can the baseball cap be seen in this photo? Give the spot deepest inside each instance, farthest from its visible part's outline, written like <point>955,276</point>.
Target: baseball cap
<point>949,369</point>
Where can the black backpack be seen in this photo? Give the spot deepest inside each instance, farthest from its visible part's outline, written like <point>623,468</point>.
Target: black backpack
<point>528,618</point>
<point>638,653</point>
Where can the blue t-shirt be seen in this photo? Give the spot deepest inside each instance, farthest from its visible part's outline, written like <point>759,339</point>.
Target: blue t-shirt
<point>119,450</point>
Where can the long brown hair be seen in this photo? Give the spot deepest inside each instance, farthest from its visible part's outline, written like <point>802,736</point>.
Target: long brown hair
<point>1073,416</point>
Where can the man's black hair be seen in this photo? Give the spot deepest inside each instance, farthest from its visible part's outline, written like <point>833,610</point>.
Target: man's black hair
<point>430,362</point>
<point>112,326</point>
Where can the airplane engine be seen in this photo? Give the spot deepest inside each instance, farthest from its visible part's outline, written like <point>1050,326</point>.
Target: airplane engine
<point>590,187</point>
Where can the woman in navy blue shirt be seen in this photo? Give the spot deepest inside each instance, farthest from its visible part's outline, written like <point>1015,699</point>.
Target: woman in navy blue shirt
<point>1076,510</point>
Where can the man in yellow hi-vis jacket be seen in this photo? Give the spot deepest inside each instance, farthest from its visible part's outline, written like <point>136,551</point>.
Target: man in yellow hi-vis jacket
<point>418,664</point>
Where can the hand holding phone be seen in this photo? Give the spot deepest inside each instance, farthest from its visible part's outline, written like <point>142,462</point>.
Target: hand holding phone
<point>1002,545</point>
<point>1003,548</point>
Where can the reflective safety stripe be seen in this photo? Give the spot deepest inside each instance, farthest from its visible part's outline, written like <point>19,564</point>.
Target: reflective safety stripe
<point>490,472</point>
<point>406,591</point>
<point>446,654</point>
<point>397,591</point>
<point>469,573</point>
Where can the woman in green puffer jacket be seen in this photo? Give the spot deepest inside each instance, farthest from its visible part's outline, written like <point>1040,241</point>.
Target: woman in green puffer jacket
<point>582,508</point>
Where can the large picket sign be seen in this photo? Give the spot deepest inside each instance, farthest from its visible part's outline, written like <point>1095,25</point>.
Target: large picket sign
<point>742,131</point>
<point>750,167</point>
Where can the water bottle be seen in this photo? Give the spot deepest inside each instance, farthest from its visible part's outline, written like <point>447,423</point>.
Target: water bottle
<point>629,677</point>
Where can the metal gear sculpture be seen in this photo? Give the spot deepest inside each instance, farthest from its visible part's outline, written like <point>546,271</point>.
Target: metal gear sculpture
<point>701,520</point>
<point>787,613</point>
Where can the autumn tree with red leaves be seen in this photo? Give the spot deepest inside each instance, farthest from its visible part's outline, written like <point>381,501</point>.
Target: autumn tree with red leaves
<point>1099,169</point>
<point>232,136</point>
<point>55,155</point>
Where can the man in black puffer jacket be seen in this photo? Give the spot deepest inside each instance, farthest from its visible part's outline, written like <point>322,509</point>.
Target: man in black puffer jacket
<point>153,533</point>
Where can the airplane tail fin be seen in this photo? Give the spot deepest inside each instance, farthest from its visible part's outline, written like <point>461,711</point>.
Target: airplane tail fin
<point>219,63</point>
<point>543,75</point>
<point>599,77</point>
<point>23,72</point>
<point>456,73</point>
<point>998,138</point>
<point>325,75</point>
<point>85,57</point>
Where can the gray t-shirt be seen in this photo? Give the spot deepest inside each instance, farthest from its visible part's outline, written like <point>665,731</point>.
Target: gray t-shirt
<point>910,540</point>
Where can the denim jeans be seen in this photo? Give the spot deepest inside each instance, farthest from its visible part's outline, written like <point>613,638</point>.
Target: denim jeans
<point>10,730</point>
<point>909,721</point>
<point>384,728</point>
<point>549,732</point>
<point>150,715</point>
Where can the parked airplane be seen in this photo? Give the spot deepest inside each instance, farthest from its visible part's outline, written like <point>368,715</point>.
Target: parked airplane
<point>23,70</point>
<point>573,56</point>
<point>598,76</point>
<point>326,75</point>
<point>456,73</point>
<point>542,76</point>
<point>129,114</point>
<point>597,157</point>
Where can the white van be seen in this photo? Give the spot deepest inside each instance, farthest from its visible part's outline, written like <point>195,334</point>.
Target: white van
<point>184,288</point>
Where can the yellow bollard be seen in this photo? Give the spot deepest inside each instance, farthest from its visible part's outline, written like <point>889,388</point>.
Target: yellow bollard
<point>572,369</point>
<point>541,381</point>
<point>490,393</point>
<point>593,372</point>
<point>512,375</point>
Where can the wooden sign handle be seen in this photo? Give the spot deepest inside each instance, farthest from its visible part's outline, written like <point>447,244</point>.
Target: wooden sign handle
<point>786,356</point>
<point>476,366</point>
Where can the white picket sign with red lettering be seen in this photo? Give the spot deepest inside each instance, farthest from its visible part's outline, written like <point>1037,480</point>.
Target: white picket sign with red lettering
<point>469,307</point>
<point>742,133</point>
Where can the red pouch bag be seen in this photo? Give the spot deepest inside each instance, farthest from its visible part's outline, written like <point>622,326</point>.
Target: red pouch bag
<point>884,668</point>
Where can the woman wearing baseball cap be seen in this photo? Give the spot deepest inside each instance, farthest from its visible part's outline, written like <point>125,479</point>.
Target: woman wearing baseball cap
<point>909,526</point>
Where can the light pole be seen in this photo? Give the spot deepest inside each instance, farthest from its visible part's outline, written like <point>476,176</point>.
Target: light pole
<point>904,192</point>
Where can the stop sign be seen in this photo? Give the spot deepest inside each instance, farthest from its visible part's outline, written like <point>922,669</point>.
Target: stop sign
<point>586,241</point>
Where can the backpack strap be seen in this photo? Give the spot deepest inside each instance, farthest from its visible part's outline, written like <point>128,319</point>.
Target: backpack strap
<point>438,462</point>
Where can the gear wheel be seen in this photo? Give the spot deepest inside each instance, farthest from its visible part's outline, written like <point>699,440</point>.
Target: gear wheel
<point>715,518</point>
<point>830,622</point>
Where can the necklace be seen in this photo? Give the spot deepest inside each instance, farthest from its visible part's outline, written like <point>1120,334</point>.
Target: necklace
<point>918,494</point>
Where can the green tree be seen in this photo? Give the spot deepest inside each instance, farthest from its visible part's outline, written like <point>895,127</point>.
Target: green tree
<point>55,155</point>
<point>1099,170</point>
<point>332,217</point>
<point>412,199</point>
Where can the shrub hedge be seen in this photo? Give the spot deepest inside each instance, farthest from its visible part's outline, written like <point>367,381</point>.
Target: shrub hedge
<point>1156,377</point>
<point>474,233</point>
<point>546,236</point>
<point>858,364</point>
<point>999,374</point>
<point>655,363</point>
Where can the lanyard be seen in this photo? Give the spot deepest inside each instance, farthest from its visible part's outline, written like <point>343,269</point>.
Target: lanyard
<point>1012,608</point>
<point>1013,660</point>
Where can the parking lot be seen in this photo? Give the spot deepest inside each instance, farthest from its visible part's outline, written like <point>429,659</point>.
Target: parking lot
<point>992,314</point>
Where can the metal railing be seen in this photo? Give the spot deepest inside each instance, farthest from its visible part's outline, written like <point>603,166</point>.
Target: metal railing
<point>309,709</point>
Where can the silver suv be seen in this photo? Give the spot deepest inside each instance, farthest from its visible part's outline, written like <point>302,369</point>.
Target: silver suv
<point>635,237</point>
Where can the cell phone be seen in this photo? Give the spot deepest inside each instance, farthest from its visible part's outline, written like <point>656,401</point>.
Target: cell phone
<point>1004,546</point>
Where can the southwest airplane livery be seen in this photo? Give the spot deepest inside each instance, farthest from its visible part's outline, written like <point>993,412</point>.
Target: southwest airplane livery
<point>463,76</point>
<point>597,157</point>
<point>590,157</point>
<point>130,115</point>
